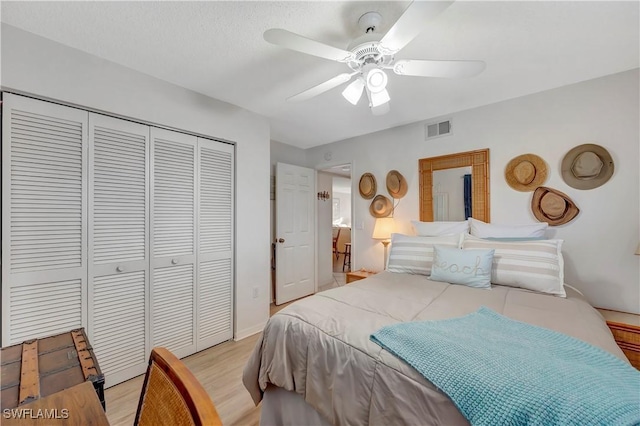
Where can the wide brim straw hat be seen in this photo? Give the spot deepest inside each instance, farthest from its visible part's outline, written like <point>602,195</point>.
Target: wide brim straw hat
<point>381,206</point>
<point>396,184</point>
<point>587,166</point>
<point>552,206</point>
<point>526,172</point>
<point>367,186</point>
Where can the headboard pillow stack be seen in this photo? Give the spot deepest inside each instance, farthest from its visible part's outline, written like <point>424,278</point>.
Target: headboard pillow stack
<point>522,257</point>
<point>414,254</point>
<point>436,229</point>
<point>480,229</point>
<point>535,265</point>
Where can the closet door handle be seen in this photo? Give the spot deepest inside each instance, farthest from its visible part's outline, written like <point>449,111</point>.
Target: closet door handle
<point>174,261</point>
<point>119,268</point>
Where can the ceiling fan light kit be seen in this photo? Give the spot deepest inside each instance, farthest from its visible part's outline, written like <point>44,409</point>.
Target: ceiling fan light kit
<point>369,55</point>
<point>353,92</point>
<point>379,98</point>
<point>376,80</point>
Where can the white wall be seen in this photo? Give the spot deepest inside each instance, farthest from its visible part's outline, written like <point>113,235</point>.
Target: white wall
<point>43,68</point>
<point>599,243</point>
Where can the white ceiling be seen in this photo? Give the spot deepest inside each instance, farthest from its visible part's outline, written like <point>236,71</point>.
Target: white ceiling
<point>216,48</point>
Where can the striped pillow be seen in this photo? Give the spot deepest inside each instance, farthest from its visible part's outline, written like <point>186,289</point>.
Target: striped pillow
<point>414,255</point>
<point>535,265</point>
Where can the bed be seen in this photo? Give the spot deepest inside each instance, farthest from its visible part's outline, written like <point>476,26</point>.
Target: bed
<point>315,364</point>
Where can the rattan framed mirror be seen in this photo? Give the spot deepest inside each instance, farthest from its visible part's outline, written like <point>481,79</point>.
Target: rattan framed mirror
<point>479,162</point>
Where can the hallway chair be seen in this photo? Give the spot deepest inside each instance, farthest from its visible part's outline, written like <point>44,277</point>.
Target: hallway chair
<point>336,235</point>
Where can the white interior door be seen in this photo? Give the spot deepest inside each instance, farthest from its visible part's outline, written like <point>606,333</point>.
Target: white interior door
<point>44,226</point>
<point>173,241</point>
<point>295,232</point>
<point>214,292</point>
<point>118,246</point>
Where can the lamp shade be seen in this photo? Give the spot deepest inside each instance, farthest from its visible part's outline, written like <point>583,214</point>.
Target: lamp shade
<point>638,250</point>
<point>383,229</point>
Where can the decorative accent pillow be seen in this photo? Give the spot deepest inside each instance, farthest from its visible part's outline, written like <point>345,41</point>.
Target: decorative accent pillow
<point>489,230</point>
<point>414,255</point>
<point>467,267</point>
<point>535,265</point>
<point>435,229</point>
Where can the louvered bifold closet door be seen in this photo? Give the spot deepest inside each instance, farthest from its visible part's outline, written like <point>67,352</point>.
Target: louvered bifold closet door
<point>118,246</point>
<point>173,241</point>
<point>215,242</point>
<point>44,208</point>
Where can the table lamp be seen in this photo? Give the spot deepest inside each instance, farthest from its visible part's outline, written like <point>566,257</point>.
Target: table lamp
<point>383,229</point>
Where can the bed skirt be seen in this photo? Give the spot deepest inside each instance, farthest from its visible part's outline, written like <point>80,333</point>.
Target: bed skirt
<point>281,407</point>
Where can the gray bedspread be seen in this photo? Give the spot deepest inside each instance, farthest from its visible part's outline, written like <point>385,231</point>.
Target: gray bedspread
<point>319,347</point>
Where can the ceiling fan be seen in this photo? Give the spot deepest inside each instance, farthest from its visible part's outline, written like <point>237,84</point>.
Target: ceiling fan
<point>371,54</point>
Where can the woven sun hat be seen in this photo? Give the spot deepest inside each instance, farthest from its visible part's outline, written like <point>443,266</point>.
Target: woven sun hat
<point>381,206</point>
<point>526,172</point>
<point>367,186</point>
<point>587,166</point>
<point>396,184</point>
<point>552,206</point>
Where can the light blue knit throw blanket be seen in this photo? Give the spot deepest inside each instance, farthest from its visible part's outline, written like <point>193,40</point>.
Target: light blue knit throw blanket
<point>504,372</point>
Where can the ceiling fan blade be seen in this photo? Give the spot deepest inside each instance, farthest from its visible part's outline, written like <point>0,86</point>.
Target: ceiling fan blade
<point>302,44</point>
<point>411,23</point>
<point>321,88</point>
<point>443,69</point>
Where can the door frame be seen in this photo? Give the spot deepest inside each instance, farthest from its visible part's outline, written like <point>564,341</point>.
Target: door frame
<point>322,168</point>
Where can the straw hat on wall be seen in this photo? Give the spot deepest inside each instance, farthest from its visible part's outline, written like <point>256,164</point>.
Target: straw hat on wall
<point>381,206</point>
<point>396,184</point>
<point>367,186</point>
<point>526,172</point>
<point>587,166</point>
<point>552,206</point>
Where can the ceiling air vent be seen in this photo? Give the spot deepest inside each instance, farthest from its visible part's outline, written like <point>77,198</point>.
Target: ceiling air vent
<point>434,130</point>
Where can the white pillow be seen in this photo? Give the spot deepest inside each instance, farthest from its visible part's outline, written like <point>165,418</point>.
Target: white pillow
<point>414,254</point>
<point>535,265</point>
<point>435,229</point>
<point>490,230</point>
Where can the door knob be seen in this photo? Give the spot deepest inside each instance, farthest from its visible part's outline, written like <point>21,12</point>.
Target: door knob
<point>281,240</point>
<point>174,261</point>
<point>119,268</point>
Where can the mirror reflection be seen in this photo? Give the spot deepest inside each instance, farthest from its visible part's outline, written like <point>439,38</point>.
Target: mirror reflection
<point>452,196</point>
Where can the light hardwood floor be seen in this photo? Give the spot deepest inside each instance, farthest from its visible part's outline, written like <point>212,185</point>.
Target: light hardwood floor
<point>219,369</point>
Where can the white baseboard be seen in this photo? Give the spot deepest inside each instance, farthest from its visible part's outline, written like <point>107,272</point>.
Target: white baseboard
<point>243,334</point>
